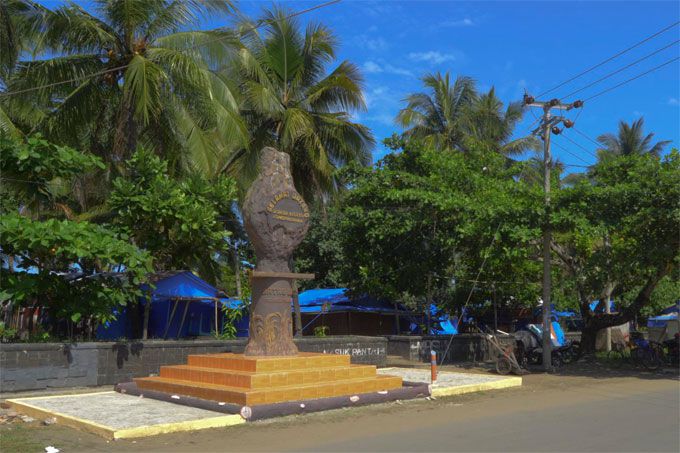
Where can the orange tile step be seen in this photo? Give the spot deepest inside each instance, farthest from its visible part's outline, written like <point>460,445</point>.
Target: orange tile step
<point>240,362</point>
<point>265,379</point>
<point>243,396</point>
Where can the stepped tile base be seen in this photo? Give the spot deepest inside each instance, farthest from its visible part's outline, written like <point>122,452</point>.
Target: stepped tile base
<point>239,379</point>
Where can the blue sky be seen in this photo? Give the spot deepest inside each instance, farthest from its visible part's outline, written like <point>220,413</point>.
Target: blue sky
<point>513,46</point>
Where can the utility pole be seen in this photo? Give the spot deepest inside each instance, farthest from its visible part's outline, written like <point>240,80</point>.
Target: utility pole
<point>544,130</point>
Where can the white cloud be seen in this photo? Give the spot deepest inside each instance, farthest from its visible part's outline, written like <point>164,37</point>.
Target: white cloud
<point>372,67</point>
<point>466,22</point>
<point>673,101</point>
<point>432,57</point>
<point>371,43</point>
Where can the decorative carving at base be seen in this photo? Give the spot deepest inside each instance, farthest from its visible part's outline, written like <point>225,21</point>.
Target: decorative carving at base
<point>271,335</point>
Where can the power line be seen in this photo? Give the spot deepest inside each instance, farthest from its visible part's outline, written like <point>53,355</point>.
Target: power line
<point>118,68</point>
<point>573,154</point>
<point>621,69</point>
<point>610,58</point>
<point>631,79</point>
<point>575,165</point>
<point>580,146</point>
<point>585,136</point>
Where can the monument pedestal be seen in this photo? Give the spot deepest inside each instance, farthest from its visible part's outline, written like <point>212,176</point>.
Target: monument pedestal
<point>251,381</point>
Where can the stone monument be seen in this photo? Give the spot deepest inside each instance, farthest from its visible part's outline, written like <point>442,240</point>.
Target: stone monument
<point>271,370</point>
<point>276,219</point>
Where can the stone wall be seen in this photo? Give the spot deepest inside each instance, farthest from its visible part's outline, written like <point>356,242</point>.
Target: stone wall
<point>39,366</point>
<point>463,347</point>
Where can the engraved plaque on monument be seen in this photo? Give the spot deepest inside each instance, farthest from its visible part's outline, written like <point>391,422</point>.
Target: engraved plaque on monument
<point>276,219</point>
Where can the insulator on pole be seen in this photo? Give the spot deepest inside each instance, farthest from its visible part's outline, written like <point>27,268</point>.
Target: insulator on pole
<point>556,130</point>
<point>577,104</point>
<point>568,123</point>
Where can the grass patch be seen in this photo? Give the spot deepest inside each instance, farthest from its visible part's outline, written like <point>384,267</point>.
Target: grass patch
<point>17,438</point>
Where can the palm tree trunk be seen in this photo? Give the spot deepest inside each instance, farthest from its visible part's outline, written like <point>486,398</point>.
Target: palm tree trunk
<point>237,272</point>
<point>125,138</point>
<point>296,301</point>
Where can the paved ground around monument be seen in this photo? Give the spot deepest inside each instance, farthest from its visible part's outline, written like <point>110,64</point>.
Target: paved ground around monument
<point>454,383</point>
<point>578,409</point>
<point>114,415</point>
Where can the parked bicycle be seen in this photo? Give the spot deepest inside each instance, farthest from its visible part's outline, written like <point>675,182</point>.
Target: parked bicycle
<point>637,351</point>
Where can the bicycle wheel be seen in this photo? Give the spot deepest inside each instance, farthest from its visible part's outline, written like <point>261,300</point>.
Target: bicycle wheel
<point>660,351</point>
<point>503,365</point>
<point>649,359</point>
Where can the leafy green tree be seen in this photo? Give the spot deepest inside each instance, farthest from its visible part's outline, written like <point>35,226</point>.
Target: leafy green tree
<point>322,252</point>
<point>155,83</point>
<point>52,248</point>
<point>39,175</point>
<point>292,103</point>
<point>617,234</point>
<point>180,223</point>
<point>630,140</point>
<point>426,221</point>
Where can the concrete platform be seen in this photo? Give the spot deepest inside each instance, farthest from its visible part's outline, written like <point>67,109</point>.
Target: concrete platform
<point>451,383</point>
<point>117,416</point>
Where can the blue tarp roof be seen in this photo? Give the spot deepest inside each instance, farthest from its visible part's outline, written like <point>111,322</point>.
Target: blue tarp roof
<point>183,284</point>
<point>675,308</point>
<point>595,306</point>
<point>661,320</point>
<point>336,300</point>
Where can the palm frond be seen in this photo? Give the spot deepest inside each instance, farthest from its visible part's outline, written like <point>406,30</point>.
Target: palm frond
<point>143,86</point>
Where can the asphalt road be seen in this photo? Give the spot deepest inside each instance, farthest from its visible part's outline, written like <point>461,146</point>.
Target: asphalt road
<point>647,420</point>
<point>586,411</point>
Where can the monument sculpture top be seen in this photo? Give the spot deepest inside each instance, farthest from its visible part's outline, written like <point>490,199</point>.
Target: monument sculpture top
<point>276,219</point>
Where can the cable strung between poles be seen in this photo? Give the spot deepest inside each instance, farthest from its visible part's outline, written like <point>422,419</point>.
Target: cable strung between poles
<point>610,58</point>
<point>631,79</point>
<point>623,68</point>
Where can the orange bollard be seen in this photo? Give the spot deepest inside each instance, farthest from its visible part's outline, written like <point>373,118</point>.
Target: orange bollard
<point>433,366</point>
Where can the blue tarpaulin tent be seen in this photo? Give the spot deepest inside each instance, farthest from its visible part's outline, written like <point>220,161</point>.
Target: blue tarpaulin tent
<point>665,325</point>
<point>362,315</point>
<point>182,305</point>
<point>667,314</point>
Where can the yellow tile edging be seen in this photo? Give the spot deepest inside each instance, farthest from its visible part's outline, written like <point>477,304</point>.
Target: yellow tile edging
<point>470,388</point>
<point>189,425</point>
<point>62,419</point>
<point>108,432</point>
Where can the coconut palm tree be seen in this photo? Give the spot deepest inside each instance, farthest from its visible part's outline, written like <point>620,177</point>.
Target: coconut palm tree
<point>487,126</point>
<point>629,140</point>
<point>435,116</point>
<point>154,84</point>
<point>18,27</point>
<point>290,101</point>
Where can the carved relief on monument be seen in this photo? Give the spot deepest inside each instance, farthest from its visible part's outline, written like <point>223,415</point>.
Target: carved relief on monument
<point>276,219</point>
